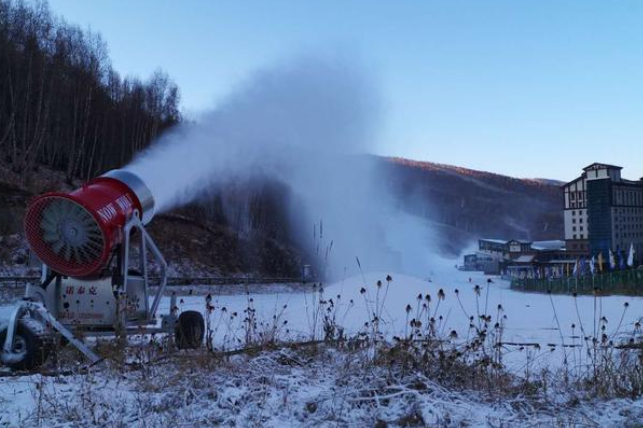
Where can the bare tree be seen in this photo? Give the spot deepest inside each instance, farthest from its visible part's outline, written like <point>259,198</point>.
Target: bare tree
<point>62,104</point>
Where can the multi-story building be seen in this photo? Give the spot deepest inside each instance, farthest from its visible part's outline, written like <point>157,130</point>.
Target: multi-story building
<point>603,212</point>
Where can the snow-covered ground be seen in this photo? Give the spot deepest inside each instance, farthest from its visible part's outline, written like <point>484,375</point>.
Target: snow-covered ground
<point>332,388</point>
<point>530,318</point>
<point>282,389</point>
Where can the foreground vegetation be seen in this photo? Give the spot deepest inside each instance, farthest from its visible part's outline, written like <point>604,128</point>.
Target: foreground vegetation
<point>257,371</point>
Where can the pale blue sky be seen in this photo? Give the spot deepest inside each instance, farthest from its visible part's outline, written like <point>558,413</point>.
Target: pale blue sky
<point>525,88</point>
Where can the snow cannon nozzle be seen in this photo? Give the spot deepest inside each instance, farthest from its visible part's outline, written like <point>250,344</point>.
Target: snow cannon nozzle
<point>75,233</point>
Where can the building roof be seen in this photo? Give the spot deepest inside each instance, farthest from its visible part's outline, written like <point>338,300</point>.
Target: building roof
<point>524,259</point>
<point>496,241</point>
<point>597,165</point>
<point>520,241</point>
<point>627,183</point>
<point>554,245</point>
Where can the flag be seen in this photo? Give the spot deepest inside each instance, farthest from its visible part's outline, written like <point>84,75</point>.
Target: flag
<point>621,260</point>
<point>612,260</point>
<point>630,257</point>
<point>576,268</point>
<point>592,265</point>
<point>600,262</point>
<point>582,266</point>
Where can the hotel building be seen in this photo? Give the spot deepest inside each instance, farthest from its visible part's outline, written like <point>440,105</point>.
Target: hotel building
<point>603,212</point>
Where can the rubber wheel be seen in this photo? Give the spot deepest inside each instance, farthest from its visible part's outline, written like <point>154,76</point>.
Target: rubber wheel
<point>190,330</point>
<point>29,345</point>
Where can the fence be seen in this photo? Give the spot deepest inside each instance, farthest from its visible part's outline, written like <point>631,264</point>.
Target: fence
<point>17,282</point>
<point>627,282</point>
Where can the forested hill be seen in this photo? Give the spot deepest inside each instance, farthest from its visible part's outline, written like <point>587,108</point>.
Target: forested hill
<point>468,204</point>
<point>63,105</point>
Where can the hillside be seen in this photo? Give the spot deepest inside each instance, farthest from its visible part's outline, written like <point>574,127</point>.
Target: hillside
<point>469,204</point>
<point>462,204</point>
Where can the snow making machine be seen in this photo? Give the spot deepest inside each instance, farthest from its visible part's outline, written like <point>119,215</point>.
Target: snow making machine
<point>95,275</point>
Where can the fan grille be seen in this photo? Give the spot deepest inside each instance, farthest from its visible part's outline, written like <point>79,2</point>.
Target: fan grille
<point>65,236</point>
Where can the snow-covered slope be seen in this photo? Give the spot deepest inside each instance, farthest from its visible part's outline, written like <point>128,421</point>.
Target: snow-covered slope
<point>528,319</point>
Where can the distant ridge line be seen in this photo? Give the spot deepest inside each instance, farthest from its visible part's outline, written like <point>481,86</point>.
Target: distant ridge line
<point>435,166</point>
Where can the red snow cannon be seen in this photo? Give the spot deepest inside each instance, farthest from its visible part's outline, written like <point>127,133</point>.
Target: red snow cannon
<point>74,233</point>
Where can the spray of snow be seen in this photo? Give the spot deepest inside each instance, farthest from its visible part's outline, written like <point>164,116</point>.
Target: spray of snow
<point>308,124</point>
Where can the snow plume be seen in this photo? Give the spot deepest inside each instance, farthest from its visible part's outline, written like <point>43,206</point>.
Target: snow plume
<point>308,124</point>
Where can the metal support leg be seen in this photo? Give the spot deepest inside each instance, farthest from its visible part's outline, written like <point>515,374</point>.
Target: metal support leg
<point>146,244</point>
<point>38,311</point>
<point>46,316</point>
<point>7,348</point>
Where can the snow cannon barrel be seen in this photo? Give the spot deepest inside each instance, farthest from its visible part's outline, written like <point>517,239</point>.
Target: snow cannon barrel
<point>74,233</point>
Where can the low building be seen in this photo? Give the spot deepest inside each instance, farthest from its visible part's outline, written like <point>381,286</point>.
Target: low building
<point>481,262</point>
<point>495,256</point>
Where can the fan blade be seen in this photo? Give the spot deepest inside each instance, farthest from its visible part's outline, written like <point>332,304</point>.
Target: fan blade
<point>94,250</point>
<point>88,221</point>
<point>47,223</point>
<point>78,213</point>
<point>77,255</point>
<point>50,236</point>
<point>48,215</point>
<point>57,246</point>
<point>95,233</point>
<point>48,228</point>
<point>54,215</point>
<point>87,257</point>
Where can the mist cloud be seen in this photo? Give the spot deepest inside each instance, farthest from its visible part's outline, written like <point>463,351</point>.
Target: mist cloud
<point>307,123</point>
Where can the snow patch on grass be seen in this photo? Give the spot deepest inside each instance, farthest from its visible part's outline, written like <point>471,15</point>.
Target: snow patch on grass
<point>303,387</point>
